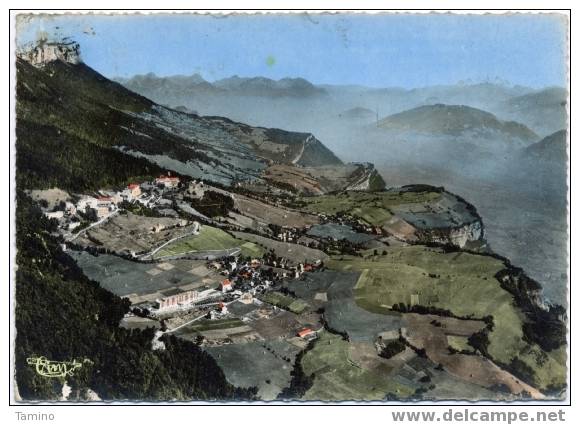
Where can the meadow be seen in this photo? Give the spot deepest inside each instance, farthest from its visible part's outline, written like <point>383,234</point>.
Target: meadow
<point>210,239</point>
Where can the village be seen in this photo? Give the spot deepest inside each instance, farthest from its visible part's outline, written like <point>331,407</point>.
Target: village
<point>225,287</point>
<point>75,215</point>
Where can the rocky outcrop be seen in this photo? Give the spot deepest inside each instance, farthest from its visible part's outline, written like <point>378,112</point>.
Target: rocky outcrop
<point>447,219</point>
<point>459,236</point>
<point>366,178</point>
<point>44,52</point>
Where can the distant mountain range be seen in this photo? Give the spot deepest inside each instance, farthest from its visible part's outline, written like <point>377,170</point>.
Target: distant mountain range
<point>178,86</point>
<point>295,103</point>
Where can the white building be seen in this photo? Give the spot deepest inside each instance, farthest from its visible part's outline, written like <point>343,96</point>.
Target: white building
<point>86,202</point>
<point>73,225</point>
<point>55,214</point>
<point>180,299</point>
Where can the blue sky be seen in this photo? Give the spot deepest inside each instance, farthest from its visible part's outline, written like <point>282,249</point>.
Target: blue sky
<point>378,51</point>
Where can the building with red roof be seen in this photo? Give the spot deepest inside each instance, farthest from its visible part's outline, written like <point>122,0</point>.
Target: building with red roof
<point>306,333</point>
<point>227,285</point>
<point>167,181</point>
<point>134,189</point>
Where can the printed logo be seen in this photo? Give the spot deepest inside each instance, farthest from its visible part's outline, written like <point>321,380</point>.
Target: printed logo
<point>53,369</point>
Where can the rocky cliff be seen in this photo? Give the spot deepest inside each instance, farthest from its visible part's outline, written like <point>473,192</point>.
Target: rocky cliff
<point>366,178</point>
<point>460,236</point>
<point>44,52</point>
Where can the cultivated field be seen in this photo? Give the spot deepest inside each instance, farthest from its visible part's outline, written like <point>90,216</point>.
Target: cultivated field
<point>279,324</point>
<point>312,284</point>
<point>143,281</point>
<point>460,282</point>
<point>421,332</point>
<point>295,305</point>
<point>353,370</point>
<point>298,179</point>
<point>211,325</point>
<point>217,332</point>
<point>263,364</point>
<point>338,232</point>
<point>338,377</point>
<point>344,315</point>
<point>128,232</point>
<point>52,197</point>
<point>314,180</point>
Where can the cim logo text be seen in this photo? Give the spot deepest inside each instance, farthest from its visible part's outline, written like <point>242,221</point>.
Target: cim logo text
<point>53,369</point>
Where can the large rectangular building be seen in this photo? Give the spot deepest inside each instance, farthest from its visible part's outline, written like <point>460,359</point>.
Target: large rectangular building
<point>178,299</point>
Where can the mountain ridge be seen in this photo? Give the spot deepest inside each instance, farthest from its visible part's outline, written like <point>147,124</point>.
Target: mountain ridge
<point>137,126</point>
<point>550,148</point>
<point>229,86</point>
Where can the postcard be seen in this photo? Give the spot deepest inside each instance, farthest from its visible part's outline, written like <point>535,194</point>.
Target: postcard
<point>291,207</point>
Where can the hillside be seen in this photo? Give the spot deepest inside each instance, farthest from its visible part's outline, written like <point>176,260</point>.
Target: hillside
<point>72,108</point>
<point>153,87</point>
<point>456,120</point>
<point>544,111</point>
<point>551,148</point>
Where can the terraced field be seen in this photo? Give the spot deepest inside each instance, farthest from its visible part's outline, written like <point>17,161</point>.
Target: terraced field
<point>460,282</point>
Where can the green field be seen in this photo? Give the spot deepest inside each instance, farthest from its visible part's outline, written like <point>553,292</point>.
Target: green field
<point>212,325</point>
<point>210,239</point>
<point>250,249</point>
<point>338,377</point>
<point>283,301</point>
<point>460,282</point>
<point>371,207</point>
<point>459,343</point>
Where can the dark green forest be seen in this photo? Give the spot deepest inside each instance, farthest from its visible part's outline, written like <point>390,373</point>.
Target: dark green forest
<point>71,122</point>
